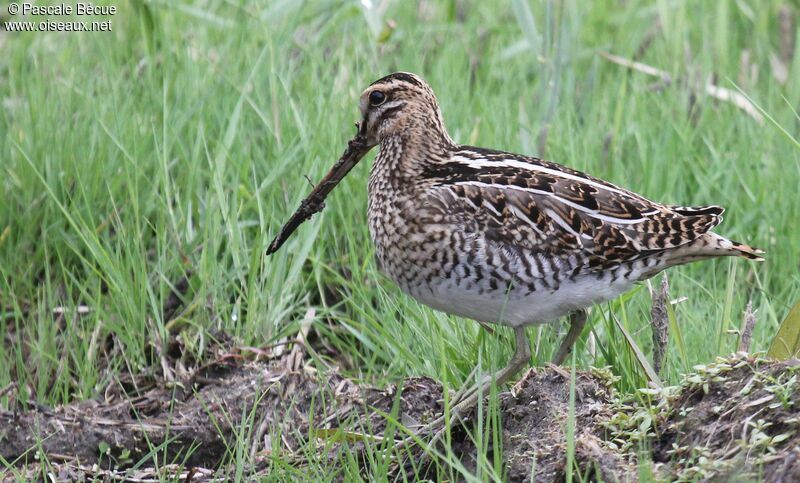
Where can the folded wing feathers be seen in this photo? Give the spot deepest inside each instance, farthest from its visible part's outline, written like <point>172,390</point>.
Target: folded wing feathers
<point>561,210</point>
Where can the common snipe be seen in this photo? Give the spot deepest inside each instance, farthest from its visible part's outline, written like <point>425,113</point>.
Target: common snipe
<point>504,238</point>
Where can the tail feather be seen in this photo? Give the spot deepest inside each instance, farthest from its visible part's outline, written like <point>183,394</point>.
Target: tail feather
<point>746,251</point>
<point>710,244</point>
<point>713,245</point>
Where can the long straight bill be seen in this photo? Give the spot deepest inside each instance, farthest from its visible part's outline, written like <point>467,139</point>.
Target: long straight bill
<point>314,202</point>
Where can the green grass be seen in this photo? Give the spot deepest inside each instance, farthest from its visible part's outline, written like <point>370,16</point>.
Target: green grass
<point>179,143</point>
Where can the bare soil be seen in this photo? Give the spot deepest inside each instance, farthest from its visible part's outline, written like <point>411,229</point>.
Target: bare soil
<point>735,419</point>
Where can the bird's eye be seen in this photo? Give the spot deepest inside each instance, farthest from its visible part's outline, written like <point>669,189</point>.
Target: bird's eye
<point>376,98</point>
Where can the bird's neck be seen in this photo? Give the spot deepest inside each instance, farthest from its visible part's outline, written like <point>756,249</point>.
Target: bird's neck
<point>404,157</point>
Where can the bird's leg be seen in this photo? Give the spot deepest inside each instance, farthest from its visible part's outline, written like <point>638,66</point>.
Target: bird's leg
<point>467,399</point>
<point>577,320</point>
<point>521,357</point>
<point>466,388</point>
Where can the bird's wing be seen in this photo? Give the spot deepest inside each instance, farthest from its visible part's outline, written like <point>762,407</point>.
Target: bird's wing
<point>540,206</point>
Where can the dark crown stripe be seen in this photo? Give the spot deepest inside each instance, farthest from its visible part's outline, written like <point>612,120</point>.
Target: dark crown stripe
<point>401,76</point>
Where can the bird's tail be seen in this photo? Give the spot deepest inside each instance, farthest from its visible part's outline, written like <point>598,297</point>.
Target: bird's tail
<point>711,245</point>
<point>736,249</point>
<point>708,245</point>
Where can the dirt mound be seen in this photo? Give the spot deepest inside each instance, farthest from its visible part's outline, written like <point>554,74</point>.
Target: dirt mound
<point>535,421</point>
<point>735,418</point>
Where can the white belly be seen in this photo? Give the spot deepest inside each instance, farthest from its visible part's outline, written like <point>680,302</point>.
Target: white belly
<point>516,308</point>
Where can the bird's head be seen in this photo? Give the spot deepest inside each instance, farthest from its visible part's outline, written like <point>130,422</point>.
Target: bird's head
<point>400,104</point>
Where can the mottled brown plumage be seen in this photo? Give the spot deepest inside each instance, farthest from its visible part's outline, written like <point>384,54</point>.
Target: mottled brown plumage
<point>504,238</point>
